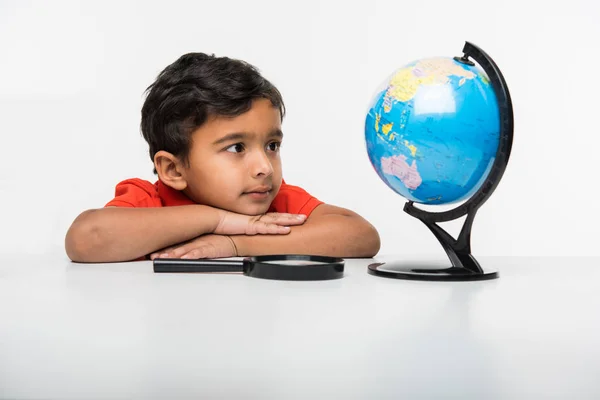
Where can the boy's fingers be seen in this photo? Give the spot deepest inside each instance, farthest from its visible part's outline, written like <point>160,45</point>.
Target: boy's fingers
<point>173,253</point>
<point>267,228</point>
<point>202,252</point>
<point>159,254</point>
<point>279,229</point>
<point>283,218</point>
<point>162,253</point>
<point>196,253</point>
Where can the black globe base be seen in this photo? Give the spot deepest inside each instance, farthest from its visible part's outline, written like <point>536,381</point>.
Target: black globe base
<point>422,272</point>
<point>464,267</point>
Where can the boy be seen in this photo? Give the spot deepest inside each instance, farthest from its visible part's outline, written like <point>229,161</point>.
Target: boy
<point>213,125</point>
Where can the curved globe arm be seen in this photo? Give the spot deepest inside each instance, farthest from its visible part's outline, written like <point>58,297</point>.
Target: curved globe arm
<point>504,147</point>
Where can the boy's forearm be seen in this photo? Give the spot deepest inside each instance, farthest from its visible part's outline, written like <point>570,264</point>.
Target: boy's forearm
<point>122,234</point>
<point>331,235</point>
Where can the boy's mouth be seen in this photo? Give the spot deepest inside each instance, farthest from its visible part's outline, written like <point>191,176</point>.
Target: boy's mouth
<point>261,192</point>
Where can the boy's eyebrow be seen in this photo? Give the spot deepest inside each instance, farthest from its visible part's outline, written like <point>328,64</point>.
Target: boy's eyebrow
<point>243,135</point>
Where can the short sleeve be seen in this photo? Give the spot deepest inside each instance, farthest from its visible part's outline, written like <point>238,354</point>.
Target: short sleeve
<point>294,200</point>
<point>135,193</point>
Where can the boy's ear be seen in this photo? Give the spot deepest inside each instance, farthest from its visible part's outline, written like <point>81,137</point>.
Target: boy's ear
<point>169,169</point>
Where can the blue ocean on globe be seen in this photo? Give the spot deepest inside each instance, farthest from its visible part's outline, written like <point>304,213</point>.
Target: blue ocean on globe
<point>432,131</point>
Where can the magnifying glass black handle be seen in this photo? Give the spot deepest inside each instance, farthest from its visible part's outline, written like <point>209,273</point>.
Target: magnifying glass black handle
<point>196,265</point>
<point>290,267</point>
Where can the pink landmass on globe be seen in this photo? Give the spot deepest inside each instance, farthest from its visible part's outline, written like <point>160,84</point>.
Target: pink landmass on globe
<point>397,166</point>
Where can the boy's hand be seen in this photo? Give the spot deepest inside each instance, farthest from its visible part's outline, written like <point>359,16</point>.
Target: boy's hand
<point>271,223</point>
<point>205,246</point>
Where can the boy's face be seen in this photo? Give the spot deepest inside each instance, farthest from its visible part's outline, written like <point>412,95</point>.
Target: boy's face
<point>234,162</point>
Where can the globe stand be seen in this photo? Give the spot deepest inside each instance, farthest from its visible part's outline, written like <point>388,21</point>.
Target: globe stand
<point>464,267</point>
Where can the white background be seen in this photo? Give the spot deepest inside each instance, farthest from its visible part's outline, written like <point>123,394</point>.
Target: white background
<point>72,76</point>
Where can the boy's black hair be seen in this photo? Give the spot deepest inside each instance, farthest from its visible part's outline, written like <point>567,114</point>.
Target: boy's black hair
<point>193,88</point>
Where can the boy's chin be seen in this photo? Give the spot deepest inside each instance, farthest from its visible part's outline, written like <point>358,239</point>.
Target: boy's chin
<point>255,210</point>
<point>251,209</point>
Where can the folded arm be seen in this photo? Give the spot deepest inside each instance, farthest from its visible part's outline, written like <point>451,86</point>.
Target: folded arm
<point>330,231</point>
<point>122,234</point>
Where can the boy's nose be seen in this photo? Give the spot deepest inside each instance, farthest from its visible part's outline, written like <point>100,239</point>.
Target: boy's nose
<point>261,165</point>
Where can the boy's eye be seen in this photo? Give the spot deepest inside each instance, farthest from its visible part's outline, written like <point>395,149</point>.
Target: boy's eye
<point>236,148</point>
<point>274,146</point>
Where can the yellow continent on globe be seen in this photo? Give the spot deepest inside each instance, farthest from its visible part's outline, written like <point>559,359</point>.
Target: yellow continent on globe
<point>405,83</point>
<point>411,147</point>
<point>386,128</point>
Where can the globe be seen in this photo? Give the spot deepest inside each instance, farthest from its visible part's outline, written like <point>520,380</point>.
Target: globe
<point>433,130</point>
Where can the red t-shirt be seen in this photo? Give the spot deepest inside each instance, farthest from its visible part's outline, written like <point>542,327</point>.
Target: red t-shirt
<point>140,193</point>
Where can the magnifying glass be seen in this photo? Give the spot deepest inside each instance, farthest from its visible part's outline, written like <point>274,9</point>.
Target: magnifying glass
<point>288,267</point>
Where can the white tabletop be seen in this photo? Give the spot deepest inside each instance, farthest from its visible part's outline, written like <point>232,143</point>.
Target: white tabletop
<point>76,331</point>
